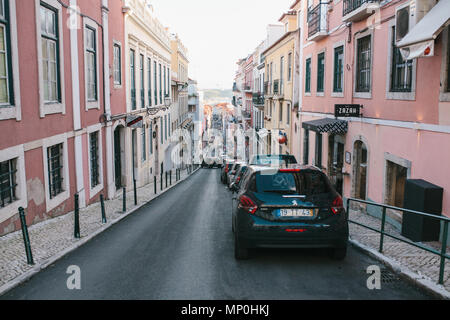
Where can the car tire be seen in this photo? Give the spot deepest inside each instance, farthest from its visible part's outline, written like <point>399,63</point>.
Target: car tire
<point>240,252</point>
<point>339,253</point>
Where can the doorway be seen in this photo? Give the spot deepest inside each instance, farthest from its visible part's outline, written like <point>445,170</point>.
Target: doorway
<point>360,170</point>
<point>336,161</point>
<point>118,157</point>
<point>396,176</point>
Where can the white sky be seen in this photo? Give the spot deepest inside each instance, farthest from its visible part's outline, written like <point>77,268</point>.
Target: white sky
<point>218,32</point>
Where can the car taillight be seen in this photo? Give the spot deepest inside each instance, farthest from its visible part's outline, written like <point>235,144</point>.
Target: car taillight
<point>338,205</point>
<point>238,179</point>
<point>247,204</point>
<point>226,168</point>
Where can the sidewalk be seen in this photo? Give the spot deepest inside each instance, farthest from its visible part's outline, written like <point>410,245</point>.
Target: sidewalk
<point>51,239</point>
<point>419,261</point>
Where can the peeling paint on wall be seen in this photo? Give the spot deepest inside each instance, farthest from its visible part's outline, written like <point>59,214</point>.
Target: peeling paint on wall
<point>35,191</point>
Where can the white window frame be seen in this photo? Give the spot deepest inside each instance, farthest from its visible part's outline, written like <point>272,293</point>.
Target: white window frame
<point>333,93</point>
<point>18,153</point>
<point>59,107</point>
<point>13,111</point>
<point>91,104</point>
<point>93,191</point>
<point>363,95</point>
<point>118,44</point>
<point>398,95</point>
<point>52,203</point>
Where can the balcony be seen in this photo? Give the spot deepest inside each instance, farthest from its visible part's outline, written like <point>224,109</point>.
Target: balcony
<point>317,22</point>
<point>247,87</point>
<point>258,99</point>
<point>276,87</point>
<point>357,10</point>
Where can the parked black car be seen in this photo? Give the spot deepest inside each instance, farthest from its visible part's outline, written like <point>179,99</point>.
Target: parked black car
<point>234,169</point>
<point>238,177</point>
<point>225,169</point>
<point>292,207</point>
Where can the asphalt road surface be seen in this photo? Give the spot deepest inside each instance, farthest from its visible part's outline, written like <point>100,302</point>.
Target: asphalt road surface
<point>180,246</point>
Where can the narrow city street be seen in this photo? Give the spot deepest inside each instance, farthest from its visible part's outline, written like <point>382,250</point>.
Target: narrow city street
<point>180,246</point>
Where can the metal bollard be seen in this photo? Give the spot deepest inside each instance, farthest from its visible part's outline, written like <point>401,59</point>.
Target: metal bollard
<point>161,182</point>
<point>170,177</point>
<point>166,179</point>
<point>135,192</point>
<point>76,224</point>
<point>102,204</point>
<point>124,200</point>
<point>154,184</point>
<point>26,238</point>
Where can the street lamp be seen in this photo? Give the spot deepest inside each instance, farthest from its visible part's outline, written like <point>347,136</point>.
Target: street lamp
<point>167,101</point>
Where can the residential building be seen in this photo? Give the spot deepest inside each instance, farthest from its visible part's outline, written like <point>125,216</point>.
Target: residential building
<point>56,110</point>
<point>371,58</point>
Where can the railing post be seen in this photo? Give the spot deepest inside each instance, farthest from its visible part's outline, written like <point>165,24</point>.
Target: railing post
<point>135,192</point>
<point>76,224</point>
<point>383,221</point>
<point>124,200</point>
<point>443,251</point>
<point>26,238</point>
<point>154,184</point>
<point>102,204</point>
<point>166,179</point>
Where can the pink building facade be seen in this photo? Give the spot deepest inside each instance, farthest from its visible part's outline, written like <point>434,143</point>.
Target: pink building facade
<point>349,56</point>
<point>58,104</point>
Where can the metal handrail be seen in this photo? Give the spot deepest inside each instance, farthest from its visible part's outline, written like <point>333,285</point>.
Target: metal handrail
<point>442,253</point>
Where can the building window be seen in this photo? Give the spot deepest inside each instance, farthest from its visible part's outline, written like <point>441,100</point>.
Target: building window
<point>305,146</point>
<point>6,82</point>
<point>141,68</point>
<point>117,64</point>
<point>338,77</point>
<point>290,67</point>
<point>281,74</point>
<point>363,63</point>
<point>280,112</point>
<point>308,75</point>
<point>401,73</point>
<point>144,145</point>
<point>94,155</point>
<point>288,116</point>
<point>149,76</point>
<point>160,84</point>
<point>132,80</point>
<point>55,166</point>
<point>165,127</point>
<point>7,182</point>
<point>50,54</point>
<point>320,71</point>
<point>162,130</point>
<point>169,126</point>
<point>155,82</point>
<point>91,64</point>
<point>165,83</point>
<point>150,138</point>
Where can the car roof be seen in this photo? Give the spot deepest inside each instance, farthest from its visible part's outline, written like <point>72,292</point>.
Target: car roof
<point>268,168</point>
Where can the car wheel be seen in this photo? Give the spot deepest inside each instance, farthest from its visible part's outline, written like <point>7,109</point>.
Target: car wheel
<point>339,253</point>
<point>240,252</point>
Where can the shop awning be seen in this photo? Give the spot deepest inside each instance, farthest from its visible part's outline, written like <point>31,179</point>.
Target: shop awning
<point>327,125</point>
<point>419,41</point>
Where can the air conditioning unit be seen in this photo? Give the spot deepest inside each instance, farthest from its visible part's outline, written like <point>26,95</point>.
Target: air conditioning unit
<point>407,16</point>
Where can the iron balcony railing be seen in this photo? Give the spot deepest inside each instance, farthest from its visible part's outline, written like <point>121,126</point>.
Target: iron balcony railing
<point>258,99</point>
<point>444,220</point>
<point>315,21</point>
<point>276,86</point>
<point>351,5</point>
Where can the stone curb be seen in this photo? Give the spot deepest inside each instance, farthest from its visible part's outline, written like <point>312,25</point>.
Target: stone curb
<point>417,280</point>
<point>43,265</point>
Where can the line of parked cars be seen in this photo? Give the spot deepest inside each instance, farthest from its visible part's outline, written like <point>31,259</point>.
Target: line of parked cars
<point>280,204</point>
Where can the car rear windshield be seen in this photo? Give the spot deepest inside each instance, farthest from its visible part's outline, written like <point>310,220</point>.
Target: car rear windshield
<point>285,159</point>
<point>304,182</point>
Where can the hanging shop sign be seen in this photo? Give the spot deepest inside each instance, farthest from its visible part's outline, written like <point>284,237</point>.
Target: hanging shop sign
<point>134,121</point>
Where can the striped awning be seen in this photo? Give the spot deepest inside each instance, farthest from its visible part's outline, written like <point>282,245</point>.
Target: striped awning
<point>327,125</point>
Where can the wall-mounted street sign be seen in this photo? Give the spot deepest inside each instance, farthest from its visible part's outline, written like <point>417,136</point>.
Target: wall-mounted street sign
<point>347,110</point>
<point>134,121</point>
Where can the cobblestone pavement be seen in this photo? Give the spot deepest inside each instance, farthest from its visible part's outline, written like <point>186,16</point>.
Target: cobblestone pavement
<point>53,236</point>
<point>424,263</point>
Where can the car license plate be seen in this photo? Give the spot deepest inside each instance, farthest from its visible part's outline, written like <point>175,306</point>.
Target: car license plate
<point>296,213</point>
